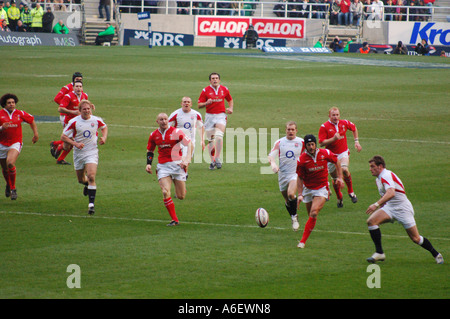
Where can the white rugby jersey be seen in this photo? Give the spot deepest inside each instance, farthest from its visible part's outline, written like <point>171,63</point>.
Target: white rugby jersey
<point>288,152</point>
<point>84,131</point>
<point>188,122</point>
<point>387,179</point>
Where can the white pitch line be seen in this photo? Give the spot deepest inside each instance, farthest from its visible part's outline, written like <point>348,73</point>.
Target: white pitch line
<point>197,223</point>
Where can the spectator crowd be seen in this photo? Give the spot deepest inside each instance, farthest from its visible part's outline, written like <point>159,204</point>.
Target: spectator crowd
<point>30,16</point>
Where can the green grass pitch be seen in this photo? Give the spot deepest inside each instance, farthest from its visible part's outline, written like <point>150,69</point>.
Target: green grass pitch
<point>399,104</point>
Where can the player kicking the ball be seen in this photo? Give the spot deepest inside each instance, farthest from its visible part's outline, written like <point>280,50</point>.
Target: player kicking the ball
<point>393,205</point>
<point>312,171</point>
<point>172,166</point>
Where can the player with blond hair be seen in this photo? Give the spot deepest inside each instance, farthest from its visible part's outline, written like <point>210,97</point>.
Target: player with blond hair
<point>332,135</point>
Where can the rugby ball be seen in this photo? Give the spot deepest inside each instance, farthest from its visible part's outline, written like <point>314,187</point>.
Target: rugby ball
<point>262,217</point>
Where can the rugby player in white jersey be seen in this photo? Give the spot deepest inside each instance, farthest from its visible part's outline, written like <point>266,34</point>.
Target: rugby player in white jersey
<point>393,205</point>
<point>81,133</point>
<point>287,149</point>
<point>189,121</point>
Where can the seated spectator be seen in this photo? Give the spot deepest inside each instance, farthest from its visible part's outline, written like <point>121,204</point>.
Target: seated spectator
<point>60,28</point>
<point>365,49</point>
<point>105,36</point>
<point>21,27</point>
<point>60,6</point>
<point>280,9</point>
<point>4,26</point>
<point>400,49</point>
<point>344,15</point>
<point>356,12</point>
<point>305,8</point>
<point>207,8</point>
<point>182,7</point>
<point>400,11</point>
<point>317,11</point>
<point>389,11</point>
<point>319,43</point>
<point>443,54</point>
<point>224,8</point>
<point>334,11</point>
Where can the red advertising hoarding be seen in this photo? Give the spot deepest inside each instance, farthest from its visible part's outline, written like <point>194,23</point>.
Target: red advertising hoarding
<point>235,27</point>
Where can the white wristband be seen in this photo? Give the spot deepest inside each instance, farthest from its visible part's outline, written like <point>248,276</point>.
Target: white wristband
<point>376,204</point>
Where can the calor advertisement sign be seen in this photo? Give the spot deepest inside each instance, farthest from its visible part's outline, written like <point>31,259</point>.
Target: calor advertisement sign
<point>236,27</point>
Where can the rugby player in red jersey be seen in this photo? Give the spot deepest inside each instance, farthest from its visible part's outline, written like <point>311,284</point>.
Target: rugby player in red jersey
<point>69,106</point>
<point>11,139</point>
<point>312,171</point>
<point>332,135</point>
<point>172,166</point>
<point>76,77</point>
<point>213,98</point>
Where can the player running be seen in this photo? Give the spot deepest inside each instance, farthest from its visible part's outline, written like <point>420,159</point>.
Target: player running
<point>332,135</point>
<point>11,139</point>
<point>213,98</point>
<point>288,149</point>
<point>81,133</point>
<point>172,165</point>
<point>66,89</point>
<point>393,205</point>
<point>189,121</point>
<point>68,106</point>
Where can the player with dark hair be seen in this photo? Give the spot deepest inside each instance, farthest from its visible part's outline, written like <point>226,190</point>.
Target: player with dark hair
<point>213,98</point>
<point>393,205</point>
<point>69,107</point>
<point>11,139</point>
<point>76,77</point>
<point>312,171</point>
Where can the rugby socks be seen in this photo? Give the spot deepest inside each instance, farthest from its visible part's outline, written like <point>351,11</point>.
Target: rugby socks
<point>6,176</point>
<point>12,177</point>
<point>291,206</point>
<point>425,243</point>
<point>309,226</point>
<point>168,202</point>
<point>63,154</point>
<point>375,234</point>
<point>337,190</point>
<point>348,182</point>
<point>91,190</point>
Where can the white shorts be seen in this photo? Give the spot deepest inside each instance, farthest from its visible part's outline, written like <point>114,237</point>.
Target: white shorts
<point>285,179</point>
<point>404,214</point>
<point>212,119</point>
<point>171,169</point>
<point>82,158</point>
<point>309,194</point>
<point>4,149</point>
<point>332,167</point>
